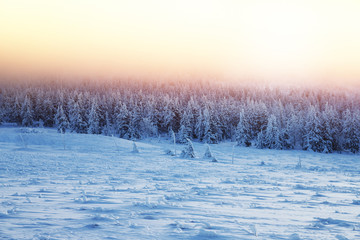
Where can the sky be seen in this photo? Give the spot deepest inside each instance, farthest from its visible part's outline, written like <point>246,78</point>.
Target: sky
<point>271,40</point>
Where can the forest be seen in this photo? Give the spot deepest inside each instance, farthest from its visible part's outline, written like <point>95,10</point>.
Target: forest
<point>261,116</point>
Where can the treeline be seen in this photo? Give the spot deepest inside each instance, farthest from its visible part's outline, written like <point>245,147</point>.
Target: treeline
<point>278,118</point>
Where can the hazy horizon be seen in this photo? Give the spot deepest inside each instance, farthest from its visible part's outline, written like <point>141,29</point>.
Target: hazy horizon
<point>310,42</point>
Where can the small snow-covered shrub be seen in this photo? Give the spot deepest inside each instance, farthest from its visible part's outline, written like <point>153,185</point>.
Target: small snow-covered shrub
<point>135,148</point>
<point>188,151</point>
<point>208,154</point>
<point>169,152</point>
<point>299,164</point>
<point>254,230</point>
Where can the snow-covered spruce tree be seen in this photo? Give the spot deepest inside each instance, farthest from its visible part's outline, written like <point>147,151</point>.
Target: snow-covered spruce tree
<point>72,112</point>
<point>38,108</point>
<point>134,125</point>
<point>242,131</point>
<point>188,151</point>
<point>164,114</point>
<point>1,115</point>
<point>5,105</point>
<point>183,134</point>
<point>47,112</point>
<point>286,139</point>
<point>208,154</point>
<point>135,148</point>
<point>326,136</point>
<point>185,129</point>
<point>210,128</point>
<point>122,120</point>
<point>206,124</point>
<point>331,129</point>
<point>290,132</point>
<point>77,122</point>
<point>271,139</point>
<point>15,112</point>
<point>94,127</point>
<point>223,120</point>
<point>147,128</point>
<point>351,131</point>
<point>257,115</point>
<point>302,121</point>
<point>313,137</point>
<point>61,121</point>
<point>192,109</point>
<point>199,127</point>
<point>149,118</point>
<point>103,108</point>
<point>108,128</point>
<point>27,113</point>
<point>217,127</point>
<point>261,141</point>
<point>283,127</point>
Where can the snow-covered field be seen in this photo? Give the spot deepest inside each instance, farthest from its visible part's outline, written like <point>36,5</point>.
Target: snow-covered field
<point>75,186</point>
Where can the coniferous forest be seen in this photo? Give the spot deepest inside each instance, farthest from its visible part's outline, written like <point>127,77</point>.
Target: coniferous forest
<point>313,119</point>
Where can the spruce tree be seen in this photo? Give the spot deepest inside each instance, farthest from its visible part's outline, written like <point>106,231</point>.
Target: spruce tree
<point>147,128</point>
<point>77,122</point>
<point>48,112</point>
<point>210,128</point>
<point>134,125</point>
<point>291,132</point>
<point>16,111</point>
<point>94,127</point>
<point>27,113</point>
<point>331,129</point>
<point>351,131</point>
<point>199,127</point>
<point>122,120</point>
<point>257,118</point>
<point>108,128</point>
<point>286,139</point>
<point>313,136</point>
<point>242,131</point>
<point>1,115</point>
<point>61,120</point>
<point>272,137</point>
<point>261,141</point>
<point>185,129</point>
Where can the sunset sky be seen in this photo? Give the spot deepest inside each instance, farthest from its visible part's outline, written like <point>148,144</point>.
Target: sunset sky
<point>274,40</point>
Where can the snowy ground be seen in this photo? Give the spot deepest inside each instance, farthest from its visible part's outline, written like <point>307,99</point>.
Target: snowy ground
<point>98,189</point>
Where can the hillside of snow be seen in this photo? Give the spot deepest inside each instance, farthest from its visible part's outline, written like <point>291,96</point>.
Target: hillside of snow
<point>77,186</point>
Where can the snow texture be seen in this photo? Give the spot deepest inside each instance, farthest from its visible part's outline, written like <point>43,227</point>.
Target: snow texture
<point>80,186</point>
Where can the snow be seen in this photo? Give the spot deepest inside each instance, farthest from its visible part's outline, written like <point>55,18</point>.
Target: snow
<point>78,186</point>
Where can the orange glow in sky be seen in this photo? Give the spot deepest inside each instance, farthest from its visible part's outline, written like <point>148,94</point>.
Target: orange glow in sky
<point>276,40</point>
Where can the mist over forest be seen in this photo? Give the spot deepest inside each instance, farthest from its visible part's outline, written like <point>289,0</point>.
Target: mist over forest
<point>315,119</point>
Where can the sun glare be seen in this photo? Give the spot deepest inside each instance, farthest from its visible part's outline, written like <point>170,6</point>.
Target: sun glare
<point>257,39</point>
<point>279,37</point>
